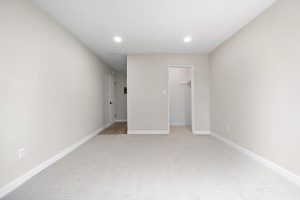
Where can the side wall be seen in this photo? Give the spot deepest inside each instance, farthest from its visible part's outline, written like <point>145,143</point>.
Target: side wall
<point>121,79</point>
<point>255,86</point>
<point>147,77</point>
<point>52,89</point>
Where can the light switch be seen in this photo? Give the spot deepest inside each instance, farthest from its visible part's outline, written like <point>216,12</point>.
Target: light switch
<point>21,153</point>
<point>164,92</point>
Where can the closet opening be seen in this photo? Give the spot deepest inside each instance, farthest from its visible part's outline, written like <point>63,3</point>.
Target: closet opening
<point>181,97</point>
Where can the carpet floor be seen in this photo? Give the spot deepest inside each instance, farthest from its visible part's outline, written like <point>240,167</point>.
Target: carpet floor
<point>178,166</point>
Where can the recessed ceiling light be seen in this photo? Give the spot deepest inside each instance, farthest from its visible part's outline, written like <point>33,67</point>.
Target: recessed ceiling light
<point>118,39</point>
<point>187,39</point>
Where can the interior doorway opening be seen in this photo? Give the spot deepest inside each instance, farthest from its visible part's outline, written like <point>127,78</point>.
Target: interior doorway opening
<point>117,103</point>
<point>112,99</point>
<point>181,97</point>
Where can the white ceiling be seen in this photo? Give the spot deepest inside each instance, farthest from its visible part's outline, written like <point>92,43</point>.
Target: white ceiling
<point>152,26</point>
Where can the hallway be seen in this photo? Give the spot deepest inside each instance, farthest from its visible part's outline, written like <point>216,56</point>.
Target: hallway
<point>116,128</point>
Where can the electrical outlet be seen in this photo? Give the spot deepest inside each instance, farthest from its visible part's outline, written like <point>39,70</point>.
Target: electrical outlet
<point>228,128</point>
<point>21,153</point>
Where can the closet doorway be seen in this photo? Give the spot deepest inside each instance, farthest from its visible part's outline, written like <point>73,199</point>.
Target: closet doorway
<point>181,95</point>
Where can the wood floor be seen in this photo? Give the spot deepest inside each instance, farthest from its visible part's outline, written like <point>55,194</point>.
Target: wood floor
<point>116,128</point>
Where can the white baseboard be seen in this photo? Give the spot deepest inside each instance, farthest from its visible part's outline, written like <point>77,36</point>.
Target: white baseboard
<point>154,132</point>
<point>276,168</point>
<point>4,190</point>
<point>121,120</point>
<point>201,132</point>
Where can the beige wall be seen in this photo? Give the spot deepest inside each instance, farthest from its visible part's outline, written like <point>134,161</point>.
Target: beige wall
<point>255,86</point>
<point>121,80</point>
<point>147,76</point>
<point>52,89</point>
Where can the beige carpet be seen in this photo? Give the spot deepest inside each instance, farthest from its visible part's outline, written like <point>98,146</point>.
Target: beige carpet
<point>179,166</point>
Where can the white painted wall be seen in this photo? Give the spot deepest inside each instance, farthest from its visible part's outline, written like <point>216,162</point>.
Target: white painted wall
<point>255,86</point>
<point>121,78</point>
<point>180,96</point>
<point>147,77</point>
<point>52,89</point>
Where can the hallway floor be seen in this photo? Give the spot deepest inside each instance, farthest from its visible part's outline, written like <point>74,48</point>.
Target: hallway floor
<point>116,128</point>
<point>178,166</point>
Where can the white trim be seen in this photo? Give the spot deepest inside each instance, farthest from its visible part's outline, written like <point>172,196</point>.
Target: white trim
<point>4,190</point>
<point>112,116</point>
<point>201,132</point>
<point>276,168</point>
<point>192,95</point>
<point>151,132</point>
<point>121,120</point>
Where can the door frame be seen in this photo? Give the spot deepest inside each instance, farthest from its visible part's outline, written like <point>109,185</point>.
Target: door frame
<point>192,94</point>
<point>111,78</point>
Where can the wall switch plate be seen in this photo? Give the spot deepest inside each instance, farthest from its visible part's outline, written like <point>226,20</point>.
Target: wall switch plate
<point>21,153</point>
<point>164,92</point>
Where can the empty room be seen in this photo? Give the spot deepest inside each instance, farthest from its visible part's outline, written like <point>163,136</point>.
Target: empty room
<point>149,99</point>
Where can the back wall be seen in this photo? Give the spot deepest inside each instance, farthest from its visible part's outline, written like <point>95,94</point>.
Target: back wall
<point>121,79</point>
<point>147,77</point>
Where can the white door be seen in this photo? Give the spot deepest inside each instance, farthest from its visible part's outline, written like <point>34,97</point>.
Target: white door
<point>112,99</point>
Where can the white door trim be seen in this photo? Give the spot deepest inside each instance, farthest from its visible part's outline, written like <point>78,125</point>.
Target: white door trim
<point>192,91</point>
<point>111,78</point>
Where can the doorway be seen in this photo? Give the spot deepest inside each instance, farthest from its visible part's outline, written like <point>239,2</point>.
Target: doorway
<point>112,99</point>
<point>181,95</point>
